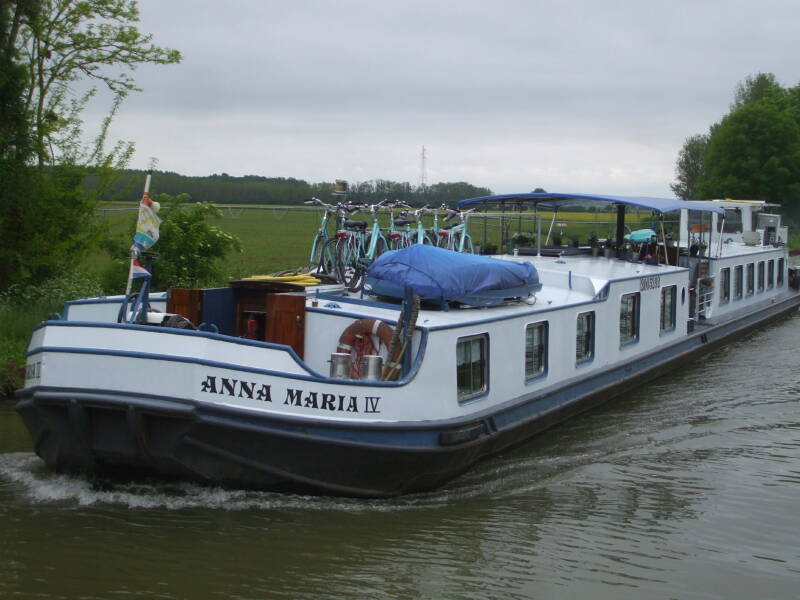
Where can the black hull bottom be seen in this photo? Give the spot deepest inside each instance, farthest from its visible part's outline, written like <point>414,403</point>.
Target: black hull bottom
<point>110,434</point>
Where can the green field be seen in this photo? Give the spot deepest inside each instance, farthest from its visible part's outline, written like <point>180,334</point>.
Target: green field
<point>278,238</point>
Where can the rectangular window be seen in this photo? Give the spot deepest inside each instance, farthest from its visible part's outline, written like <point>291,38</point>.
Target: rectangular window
<point>471,366</point>
<point>668,296</point>
<point>751,278</point>
<point>781,267</point>
<point>629,318</point>
<point>737,282</point>
<point>733,220</point>
<point>584,338</point>
<point>535,349</point>
<point>761,276</point>
<point>771,274</point>
<point>724,285</point>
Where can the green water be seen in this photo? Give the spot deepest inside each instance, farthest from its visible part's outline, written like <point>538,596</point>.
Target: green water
<point>687,489</point>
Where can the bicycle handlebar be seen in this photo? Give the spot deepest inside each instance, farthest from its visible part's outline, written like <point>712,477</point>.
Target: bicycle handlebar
<point>454,213</point>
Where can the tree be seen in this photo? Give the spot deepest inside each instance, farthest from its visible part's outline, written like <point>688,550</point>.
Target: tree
<point>47,214</point>
<point>69,40</point>
<point>754,153</point>
<point>14,130</point>
<point>690,167</point>
<point>754,88</point>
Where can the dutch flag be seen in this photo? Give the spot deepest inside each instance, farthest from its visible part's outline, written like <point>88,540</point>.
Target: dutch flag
<point>138,270</point>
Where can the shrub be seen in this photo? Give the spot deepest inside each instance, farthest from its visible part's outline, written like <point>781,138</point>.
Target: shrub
<point>190,249</point>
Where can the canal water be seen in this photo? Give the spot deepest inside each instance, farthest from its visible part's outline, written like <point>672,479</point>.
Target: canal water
<point>688,488</point>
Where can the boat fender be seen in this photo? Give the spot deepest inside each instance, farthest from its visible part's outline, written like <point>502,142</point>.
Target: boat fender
<point>357,329</point>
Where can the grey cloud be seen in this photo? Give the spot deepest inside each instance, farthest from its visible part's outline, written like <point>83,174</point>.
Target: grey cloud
<point>475,81</point>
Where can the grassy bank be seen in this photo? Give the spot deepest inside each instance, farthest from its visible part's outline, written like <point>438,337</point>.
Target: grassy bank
<point>276,238</point>
<point>21,309</point>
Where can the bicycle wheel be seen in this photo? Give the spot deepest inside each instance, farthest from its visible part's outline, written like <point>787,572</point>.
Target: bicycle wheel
<point>380,247</point>
<point>347,255</point>
<point>468,248</point>
<point>317,247</point>
<point>327,263</point>
<point>399,242</point>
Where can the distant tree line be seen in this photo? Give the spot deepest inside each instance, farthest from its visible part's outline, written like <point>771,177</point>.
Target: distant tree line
<point>256,189</point>
<point>752,153</point>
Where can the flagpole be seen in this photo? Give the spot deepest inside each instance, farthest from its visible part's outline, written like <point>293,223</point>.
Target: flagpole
<point>134,252</point>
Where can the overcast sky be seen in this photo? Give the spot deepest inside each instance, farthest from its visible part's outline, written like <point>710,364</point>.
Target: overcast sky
<point>571,96</point>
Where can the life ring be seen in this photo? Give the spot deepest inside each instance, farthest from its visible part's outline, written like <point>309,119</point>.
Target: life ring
<point>361,327</point>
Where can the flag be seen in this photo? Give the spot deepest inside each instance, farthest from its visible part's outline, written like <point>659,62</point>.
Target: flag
<point>138,270</point>
<point>147,226</point>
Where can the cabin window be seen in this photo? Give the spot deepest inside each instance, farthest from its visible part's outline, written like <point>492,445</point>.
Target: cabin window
<point>771,274</point>
<point>733,221</point>
<point>761,276</point>
<point>584,338</point>
<point>471,366</point>
<point>751,277</point>
<point>781,267</point>
<point>668,296</point>
<point>629,318</point>
<point>535,349</point>
<point>724,285</point>
<point>737,282</point>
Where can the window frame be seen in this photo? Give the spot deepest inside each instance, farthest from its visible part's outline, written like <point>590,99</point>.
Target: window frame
<point>781,268</point>
<point>484,389</point>
<point>738,282</point>
<point>770,273</point>
<point>593,322</point>
<point>760,277</point>
<point>750,279</point>
<point>544,345</point>
<point>725,285</point>
<point>674,311</point>
<point>634,319</point>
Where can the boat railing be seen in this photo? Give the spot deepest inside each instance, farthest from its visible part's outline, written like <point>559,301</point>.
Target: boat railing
<point>704,300</point>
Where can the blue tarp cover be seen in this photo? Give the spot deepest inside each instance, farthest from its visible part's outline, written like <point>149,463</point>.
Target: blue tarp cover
<point>447,276</point>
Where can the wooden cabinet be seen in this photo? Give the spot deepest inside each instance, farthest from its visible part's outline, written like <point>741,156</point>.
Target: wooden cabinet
<point>187,303</point>
<point>264,311</point>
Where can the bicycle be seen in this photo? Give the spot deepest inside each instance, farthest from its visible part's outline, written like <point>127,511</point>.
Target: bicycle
<point>433,232</point>
<point>318,260</point>
<point>399,238</point>
<point>357,249</point>
<point>328,264</point>
<point>457,237</point>
<point>323,253</point>
<point>420,236</point>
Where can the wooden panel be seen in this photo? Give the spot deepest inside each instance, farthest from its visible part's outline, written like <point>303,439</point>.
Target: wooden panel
<point>187,303</point>
<point>286,317</point>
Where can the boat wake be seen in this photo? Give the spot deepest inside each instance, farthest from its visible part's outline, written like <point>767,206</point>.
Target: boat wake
<point>25,474</point>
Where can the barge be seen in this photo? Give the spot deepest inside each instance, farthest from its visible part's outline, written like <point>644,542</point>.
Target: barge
<point>257,384</point>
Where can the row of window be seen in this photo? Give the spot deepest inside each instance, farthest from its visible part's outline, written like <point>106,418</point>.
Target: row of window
<point>472,351</point>
<point>738,279</point>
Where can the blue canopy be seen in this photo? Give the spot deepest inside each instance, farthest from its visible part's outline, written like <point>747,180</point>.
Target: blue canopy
<point>447,276</point>
<point>553,201</point>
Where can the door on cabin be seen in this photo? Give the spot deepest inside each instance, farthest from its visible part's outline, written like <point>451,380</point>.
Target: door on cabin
<point>286,316</point>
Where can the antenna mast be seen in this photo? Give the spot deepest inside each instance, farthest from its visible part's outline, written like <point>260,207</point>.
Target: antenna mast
<point>422,176</point>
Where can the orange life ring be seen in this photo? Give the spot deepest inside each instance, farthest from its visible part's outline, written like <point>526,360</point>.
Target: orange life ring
<point>361,327</point>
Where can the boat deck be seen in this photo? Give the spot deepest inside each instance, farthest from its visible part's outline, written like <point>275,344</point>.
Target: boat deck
<point>566,281</point>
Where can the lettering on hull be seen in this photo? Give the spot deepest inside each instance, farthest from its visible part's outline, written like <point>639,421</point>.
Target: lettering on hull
<point>236,388</point>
